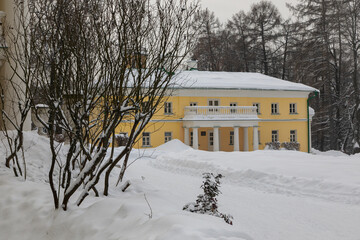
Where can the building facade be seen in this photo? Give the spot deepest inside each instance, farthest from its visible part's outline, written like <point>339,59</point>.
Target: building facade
<point>10,95</point>
<point>221,111</point>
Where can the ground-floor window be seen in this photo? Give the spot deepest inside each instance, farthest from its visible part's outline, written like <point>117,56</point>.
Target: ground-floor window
<point>211,138</point>
<point>231,138</point>
<point>274,135</point>
<point>168,136</point>
<point>293,136</point>
<point>191,139</point>
<point>146,139</point>
<point>259,137</point>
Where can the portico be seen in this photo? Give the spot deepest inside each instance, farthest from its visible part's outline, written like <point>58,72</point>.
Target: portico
<point>211,121</point>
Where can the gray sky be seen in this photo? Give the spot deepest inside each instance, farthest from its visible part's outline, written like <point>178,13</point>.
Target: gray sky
<point>224,9</point>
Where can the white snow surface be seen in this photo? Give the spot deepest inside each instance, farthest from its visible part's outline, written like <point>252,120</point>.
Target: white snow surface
<point>272,195</point>
<point>236,80</point>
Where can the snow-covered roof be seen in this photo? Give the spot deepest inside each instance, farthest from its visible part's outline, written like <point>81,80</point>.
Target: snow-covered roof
<point>236,80</point>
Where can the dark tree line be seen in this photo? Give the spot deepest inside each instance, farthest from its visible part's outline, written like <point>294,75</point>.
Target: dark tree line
<point>319,47</point>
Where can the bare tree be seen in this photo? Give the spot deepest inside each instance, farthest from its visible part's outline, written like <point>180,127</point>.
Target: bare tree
<point>99,64</point>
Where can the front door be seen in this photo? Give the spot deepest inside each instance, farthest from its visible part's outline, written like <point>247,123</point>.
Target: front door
<point>210,141</point>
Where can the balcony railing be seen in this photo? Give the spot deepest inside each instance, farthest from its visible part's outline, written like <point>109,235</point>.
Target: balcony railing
<point>220,112</point>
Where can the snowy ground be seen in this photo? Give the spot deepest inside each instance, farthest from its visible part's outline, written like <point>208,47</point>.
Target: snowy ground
<point>275,195</point>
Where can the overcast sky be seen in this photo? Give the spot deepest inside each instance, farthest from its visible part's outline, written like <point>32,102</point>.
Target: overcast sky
<point>224,9</point>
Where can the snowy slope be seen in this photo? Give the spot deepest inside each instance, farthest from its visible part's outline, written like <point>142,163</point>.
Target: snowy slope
<point>236,80</point>
<point>274,195</point>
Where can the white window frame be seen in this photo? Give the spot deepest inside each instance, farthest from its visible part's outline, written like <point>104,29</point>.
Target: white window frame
<point>293,136</point>
<point>233,104</point>
<point>211,138</point>
<point>259,142</point>
<point>212,101</point>
<point>167,136</point>
<point>293,108</point>
<point>168,108</point>
<point>274,135</point>
<point>146,139</point>
<point>257,105</point>
<point>231,138</point>
<point>191,138</point>
<point>274,108</point>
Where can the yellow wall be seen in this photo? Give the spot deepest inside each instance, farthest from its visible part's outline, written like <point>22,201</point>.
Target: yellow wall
<point>283,122</point>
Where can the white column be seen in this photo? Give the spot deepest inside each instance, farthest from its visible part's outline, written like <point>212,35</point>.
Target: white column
<point>216,139</point>
<point>186,136</point>
<point>310,141</point>
<point>195,138</point>
<point>255,138</point>
<point>246,139</point>
<point>236,139</point>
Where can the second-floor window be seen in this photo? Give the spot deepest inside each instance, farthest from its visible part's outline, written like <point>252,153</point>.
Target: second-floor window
<point>168,136</point>
<point>257,105</point>
<point>293,136</point>
<point>168,108</point>
<point>193,104</point>
<point>233,110</point>
<point>274,108</point>
<point>274,135</point>
<point>146,139</point>
<point>213,103</point>
<point>293,109</point>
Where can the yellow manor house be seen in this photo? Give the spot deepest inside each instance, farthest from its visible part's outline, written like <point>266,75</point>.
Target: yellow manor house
<point>230,111</point>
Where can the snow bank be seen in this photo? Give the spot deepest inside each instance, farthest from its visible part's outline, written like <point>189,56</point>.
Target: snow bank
<point>174,145</point>
<point>273,195</point>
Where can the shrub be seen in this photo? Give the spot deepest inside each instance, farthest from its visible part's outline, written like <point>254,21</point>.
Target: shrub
<point>272,145</point>
<point>291,146</point>
<point>207,203</point>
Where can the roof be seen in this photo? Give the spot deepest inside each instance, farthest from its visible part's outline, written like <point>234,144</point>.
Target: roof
<point>236,80</point>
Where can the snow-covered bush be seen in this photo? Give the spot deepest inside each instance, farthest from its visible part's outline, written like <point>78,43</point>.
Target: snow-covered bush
<point>272,146</point>
<point>207,203</point>
<point>291,145</point>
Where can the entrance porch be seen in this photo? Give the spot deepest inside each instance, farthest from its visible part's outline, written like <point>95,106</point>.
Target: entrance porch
<point>221,128</point>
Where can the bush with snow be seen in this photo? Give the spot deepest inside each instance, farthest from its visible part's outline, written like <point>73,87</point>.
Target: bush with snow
<point>207,203</point>
<point>272,146</point>
<point>291,146</point>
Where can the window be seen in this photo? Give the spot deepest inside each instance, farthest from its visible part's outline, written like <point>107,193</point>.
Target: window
<point>168,108</point>
<point>168,136</point>
<point>144,105</point>
<point>231,138</point>
<point>293,109</point>
<point>211,138</point>
<point>146,139</point>
<point>193,104</point>
<point>233,110</point>
<point>203,133</point>
<point>213,103</point>
<point>259,137</point>
<point>274,135</point>
<point>293,136</point>
<point>274,108</point>
<point>191,139</point>
<point>257,105</point>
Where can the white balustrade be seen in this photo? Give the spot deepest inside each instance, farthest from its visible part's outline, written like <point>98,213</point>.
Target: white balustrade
<point>220,112</point>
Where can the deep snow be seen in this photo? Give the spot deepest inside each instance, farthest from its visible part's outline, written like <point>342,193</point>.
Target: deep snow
<point>275,195</point>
